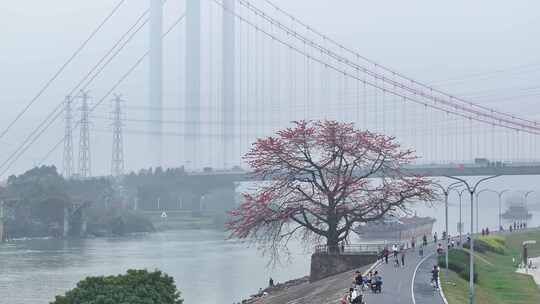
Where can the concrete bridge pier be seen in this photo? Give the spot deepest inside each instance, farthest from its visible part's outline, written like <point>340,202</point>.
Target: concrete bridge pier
<point>194,201</point>
<point>65,232</point>
<point>2,225</point>
<point>84,223</point>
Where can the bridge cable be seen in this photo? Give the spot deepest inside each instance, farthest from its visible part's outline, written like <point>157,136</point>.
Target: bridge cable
<point>293,33</point>
<point>353,52</point>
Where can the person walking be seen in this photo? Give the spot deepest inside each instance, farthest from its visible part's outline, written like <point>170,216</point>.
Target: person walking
<point>435,237</point>
<point>395,250</point>
<point>435,277</point>
<point>421,251</point>
<point>359,280</point>
<point>424,240</point>
<point>402,258</point>
<point>386,253</point>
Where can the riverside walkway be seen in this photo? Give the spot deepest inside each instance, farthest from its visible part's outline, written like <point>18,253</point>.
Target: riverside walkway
<point>409,284</point>
<point>401,285</point>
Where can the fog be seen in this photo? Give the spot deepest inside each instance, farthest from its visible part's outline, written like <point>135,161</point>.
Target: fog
<point>484,50</point>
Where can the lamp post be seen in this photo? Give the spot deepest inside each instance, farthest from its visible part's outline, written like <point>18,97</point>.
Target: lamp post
<point>460,224</point>
<point>526,205</point>
<point>499,194</point>
<point>446,192</point>
<point>472,190</point>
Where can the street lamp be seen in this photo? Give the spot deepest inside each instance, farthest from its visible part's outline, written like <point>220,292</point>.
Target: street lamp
<point>499,194</point>
<point>526,205</point>
<point>446,192</point>
<point>471,190</point>
<point>460,224</point>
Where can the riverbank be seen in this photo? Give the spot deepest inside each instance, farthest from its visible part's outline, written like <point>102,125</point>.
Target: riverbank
<point>498,282</point>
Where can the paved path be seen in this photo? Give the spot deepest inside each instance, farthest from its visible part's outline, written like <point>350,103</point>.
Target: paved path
<point>424,293</point>
<point>325,291</point>
<point>398,284</point>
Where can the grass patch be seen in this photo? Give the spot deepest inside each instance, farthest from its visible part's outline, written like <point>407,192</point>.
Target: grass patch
<point>498,282</point>
<point>458,261</point>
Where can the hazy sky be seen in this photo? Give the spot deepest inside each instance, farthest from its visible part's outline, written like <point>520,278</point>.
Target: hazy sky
<point>487,50</point>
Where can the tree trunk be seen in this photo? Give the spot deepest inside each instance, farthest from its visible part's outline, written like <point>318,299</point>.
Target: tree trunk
<point>332,236</point>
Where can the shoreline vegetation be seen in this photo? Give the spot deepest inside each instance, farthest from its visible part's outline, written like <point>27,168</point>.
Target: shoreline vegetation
<point>496,262</point>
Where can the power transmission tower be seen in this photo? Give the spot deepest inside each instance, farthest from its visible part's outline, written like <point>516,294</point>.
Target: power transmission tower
<point>117,163</point>
<point>68,138</point>
<point>84,139</point>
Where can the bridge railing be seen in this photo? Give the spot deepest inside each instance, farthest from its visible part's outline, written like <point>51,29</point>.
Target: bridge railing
<point>367,248</point>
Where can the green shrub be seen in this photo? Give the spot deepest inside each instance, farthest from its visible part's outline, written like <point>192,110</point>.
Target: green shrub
<point>135,287</point>
<point>458,261</point>
<point>495,244</point>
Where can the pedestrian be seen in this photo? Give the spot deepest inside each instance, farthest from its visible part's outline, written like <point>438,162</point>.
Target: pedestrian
<point>487,231</point>
<point>386,253</point>
<point>359,280</point>
<point>435,277</point>
<point>413,242</point>
<point>439,249</point>
<point>403,258</point>
<point>424,240</point>
<point>271,282</point>
<point>483,231</point>
<point>435,237</point>
<point>395,250</point>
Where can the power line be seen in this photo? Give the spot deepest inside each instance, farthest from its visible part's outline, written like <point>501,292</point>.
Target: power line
<point>112,89</point>
<point>68,143</point>
<point>85,164</point>
<point>55,113</point>
<point>62,68</point>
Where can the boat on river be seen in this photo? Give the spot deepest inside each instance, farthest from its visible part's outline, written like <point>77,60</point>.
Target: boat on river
<point>396,229</point>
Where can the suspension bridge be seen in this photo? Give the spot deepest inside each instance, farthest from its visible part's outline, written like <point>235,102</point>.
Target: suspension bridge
<point>249,68</point>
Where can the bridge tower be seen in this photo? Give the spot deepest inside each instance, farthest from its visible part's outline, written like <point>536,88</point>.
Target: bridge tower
<point>68,138</point>
<point>117,162</point>
<point>192,119</point>
<point>155,134</point>
<point>84,139</point>
<point>228,92</point>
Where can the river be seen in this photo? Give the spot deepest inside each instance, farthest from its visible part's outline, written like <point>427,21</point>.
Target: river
<point>207,268</point>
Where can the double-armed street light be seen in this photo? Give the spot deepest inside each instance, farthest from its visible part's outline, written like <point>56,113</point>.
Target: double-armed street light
<point>471,190</point>
<point>499,194</point>
<point>446,192</point>
<point>526,195</point>
<point>460,224</point>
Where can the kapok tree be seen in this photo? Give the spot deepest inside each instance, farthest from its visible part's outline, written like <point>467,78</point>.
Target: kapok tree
<point>321,179</point>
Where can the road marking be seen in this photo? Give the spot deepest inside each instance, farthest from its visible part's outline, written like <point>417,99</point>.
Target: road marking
<point>414,275</point>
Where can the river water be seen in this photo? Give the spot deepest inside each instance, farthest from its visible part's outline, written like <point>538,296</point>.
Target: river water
<point>207,268</point>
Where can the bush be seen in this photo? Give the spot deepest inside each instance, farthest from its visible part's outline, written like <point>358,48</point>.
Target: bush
<point>458,261</point>
<point>135,287</point>
<point>495,244</point>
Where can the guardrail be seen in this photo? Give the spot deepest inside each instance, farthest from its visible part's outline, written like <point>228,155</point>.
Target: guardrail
<point>368,248</point>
